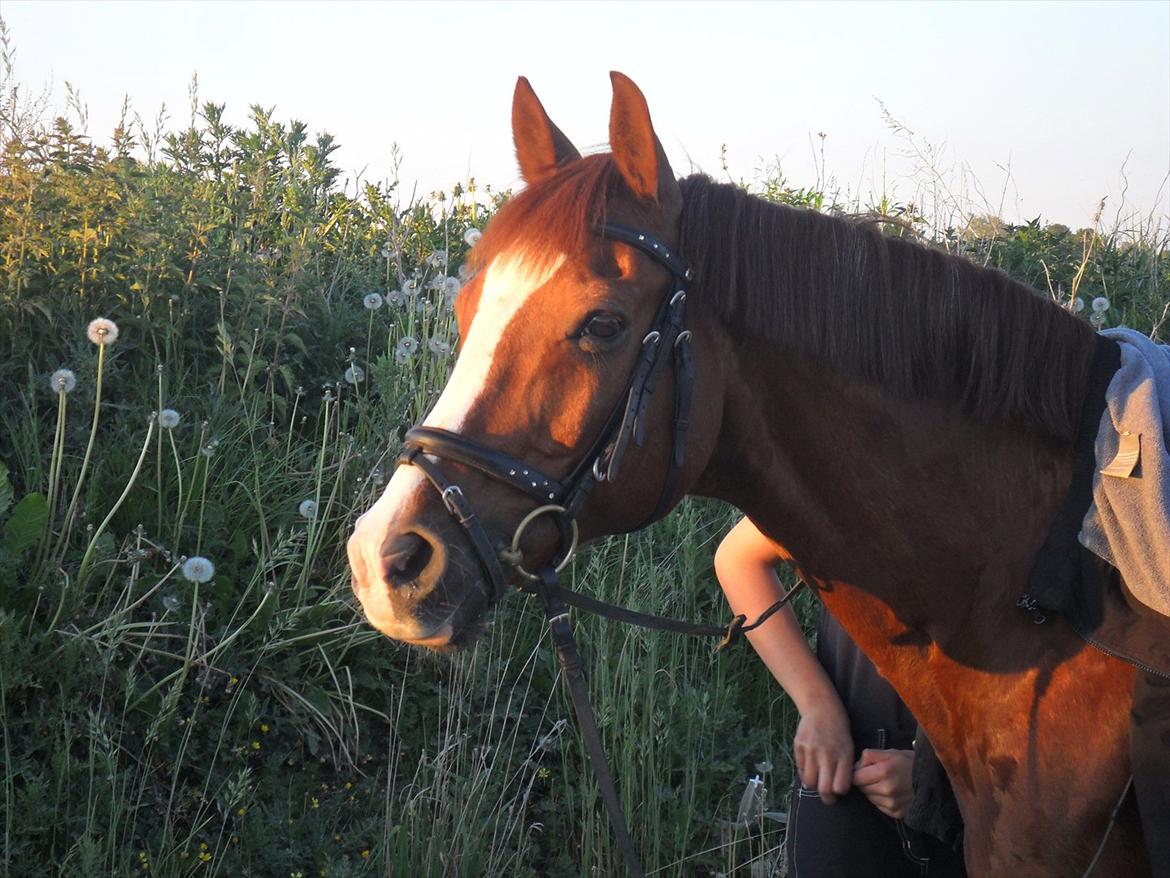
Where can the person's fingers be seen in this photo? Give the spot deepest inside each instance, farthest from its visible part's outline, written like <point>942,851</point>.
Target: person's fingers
<point>872,774</point>
<point>825,778</point>
<point>842,777</point>
<point>869,757</point>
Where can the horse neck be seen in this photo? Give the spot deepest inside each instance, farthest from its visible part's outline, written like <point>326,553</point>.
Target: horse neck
<point>912,503</point>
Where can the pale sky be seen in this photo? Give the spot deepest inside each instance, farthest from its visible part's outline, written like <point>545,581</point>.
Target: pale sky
<point>1074,98</point>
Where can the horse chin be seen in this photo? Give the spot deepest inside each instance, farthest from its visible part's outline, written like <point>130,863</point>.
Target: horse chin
<point>451,642</point>
<point>439,628</point>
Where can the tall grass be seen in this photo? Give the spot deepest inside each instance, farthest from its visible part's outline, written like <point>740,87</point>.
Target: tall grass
<point>249,723</point>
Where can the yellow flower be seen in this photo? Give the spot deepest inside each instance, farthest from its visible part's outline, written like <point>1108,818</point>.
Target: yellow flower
<point>366,854</point>
<point>255,745</point>
<point>316,804</point>
<point>264,728</point>
<point>241,812</point>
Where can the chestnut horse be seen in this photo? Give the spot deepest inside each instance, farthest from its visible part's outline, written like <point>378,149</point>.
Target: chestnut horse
<point>898,420</point>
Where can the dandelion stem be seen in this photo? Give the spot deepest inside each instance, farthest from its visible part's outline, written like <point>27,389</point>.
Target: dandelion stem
<point>54,475</point>
<point>292,420</point>
<point>83,569</point>
<point>194,475</point>
<point>63,543</point>
<point>158,457</point>
<point>178,473</point>
<point>202,508</point>
<point>369,336</point>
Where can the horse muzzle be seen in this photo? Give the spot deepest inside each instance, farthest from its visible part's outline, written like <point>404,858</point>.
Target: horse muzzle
<point>414,581</point>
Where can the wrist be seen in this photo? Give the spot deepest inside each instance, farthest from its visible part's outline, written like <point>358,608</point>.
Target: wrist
<point>823,703</point>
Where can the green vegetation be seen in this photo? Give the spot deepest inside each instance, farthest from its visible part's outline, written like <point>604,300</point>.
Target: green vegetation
<point>173,720</point>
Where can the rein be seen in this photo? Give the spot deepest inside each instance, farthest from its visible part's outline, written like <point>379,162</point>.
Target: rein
<point>562,500</point>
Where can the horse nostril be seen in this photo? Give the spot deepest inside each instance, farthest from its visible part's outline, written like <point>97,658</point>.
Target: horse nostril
<point>404,558</point>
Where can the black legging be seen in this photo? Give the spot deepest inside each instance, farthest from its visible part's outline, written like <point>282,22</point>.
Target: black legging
<point>853,839</point>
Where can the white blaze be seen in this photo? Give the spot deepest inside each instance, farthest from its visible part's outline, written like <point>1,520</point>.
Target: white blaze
<point>509,283</point>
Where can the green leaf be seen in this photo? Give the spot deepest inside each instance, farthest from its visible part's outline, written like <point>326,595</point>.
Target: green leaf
<point>28,521</point>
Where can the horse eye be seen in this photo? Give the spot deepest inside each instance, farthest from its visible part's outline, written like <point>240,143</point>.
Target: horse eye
<point>602,325</point>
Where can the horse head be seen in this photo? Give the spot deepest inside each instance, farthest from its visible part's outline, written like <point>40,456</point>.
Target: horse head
<point>568,326</point>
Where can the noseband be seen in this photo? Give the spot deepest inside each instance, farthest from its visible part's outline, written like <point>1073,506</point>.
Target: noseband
<point>562,499</point>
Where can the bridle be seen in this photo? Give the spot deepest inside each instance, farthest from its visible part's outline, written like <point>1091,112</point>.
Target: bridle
<point>562,500</point>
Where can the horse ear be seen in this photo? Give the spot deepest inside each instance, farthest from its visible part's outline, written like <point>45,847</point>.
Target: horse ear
<point>540,146</point>
<point>636,150</point>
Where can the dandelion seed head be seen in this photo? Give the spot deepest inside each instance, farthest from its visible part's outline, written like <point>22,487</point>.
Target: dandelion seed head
<point>410,288</point>
<point>372,301</point>
<point>307,509</point>
<point>396,298</point>
<point>355,374</point>
<point>102,331</point>
<point>439,345</point>
<point>168,418</point>
<point>472,236</point>
<point>464,272</point>
<point>63,381</point>
<point>1078,305</point>
<point>438,258</point>
<point>1100,304</point>
<point>407,346</point>
<point>198,569</point>
<point>170,602</point>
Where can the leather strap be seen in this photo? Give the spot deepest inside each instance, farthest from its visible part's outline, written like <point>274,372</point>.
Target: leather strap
<point>500,466</point>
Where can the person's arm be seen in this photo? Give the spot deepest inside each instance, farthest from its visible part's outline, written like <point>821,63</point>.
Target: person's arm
<point>745,565</point>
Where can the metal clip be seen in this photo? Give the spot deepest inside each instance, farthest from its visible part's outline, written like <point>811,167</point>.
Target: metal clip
<point>1027,602</point>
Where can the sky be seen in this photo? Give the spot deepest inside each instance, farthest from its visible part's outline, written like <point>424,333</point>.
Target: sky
<point>1022,109</point>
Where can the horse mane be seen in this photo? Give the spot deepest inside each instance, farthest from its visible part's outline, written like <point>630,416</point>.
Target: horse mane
<point>917,321</point>
<point>913,319</point>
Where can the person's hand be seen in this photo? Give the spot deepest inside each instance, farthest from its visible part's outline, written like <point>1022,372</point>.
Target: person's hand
<point>885,778</point>
<point>824,750</point>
